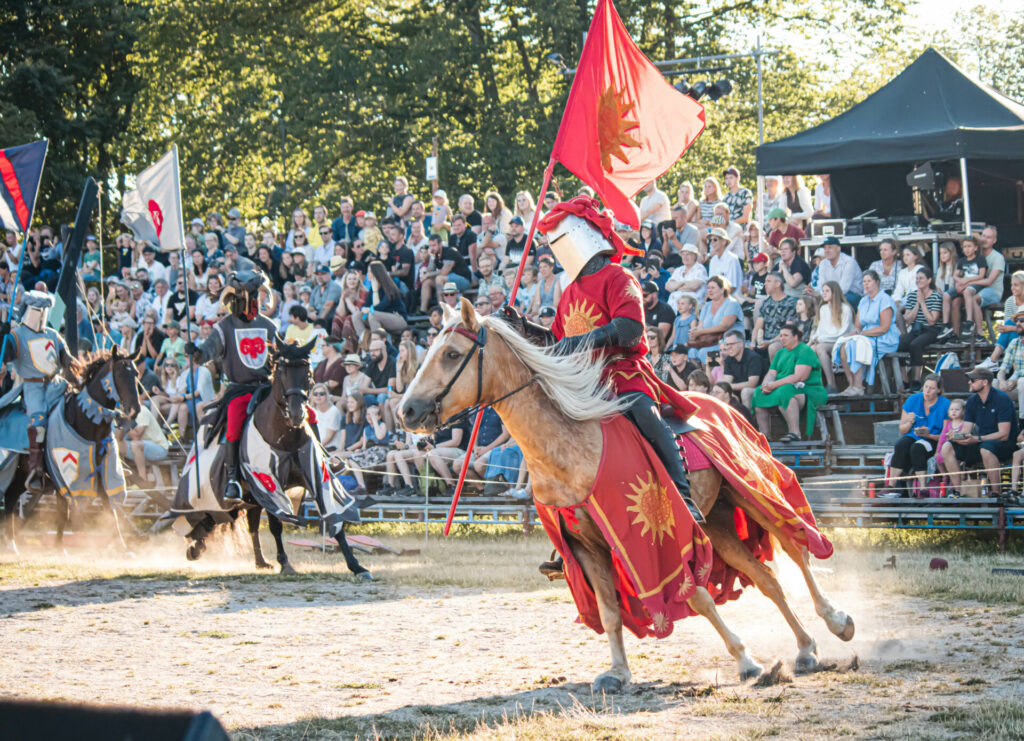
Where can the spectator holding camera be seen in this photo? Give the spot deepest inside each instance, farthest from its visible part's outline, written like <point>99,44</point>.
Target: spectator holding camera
<point>921,422</point>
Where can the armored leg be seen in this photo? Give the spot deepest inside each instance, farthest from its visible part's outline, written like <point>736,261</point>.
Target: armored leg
<point>233,491</point>
<point>643,413</point>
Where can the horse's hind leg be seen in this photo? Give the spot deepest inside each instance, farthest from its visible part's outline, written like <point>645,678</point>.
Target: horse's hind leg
<point>702,603</point>
<point>350,558</point>
<point>198,535</point>
<point>721,529</point>
<point>591,552</point>
<point>252,518</point>
<point>837,621</point>
<point>276,528</point>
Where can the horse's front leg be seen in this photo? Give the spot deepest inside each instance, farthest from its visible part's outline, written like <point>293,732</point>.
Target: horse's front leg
<point>252,518</point>
<point>276,528</point>
<point>350,558</point>
<point>63,517</point>
<point>596,563</point>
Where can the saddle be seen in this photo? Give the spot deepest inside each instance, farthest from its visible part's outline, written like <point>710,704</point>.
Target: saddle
<point>14,421</point>
<point>216,416</point>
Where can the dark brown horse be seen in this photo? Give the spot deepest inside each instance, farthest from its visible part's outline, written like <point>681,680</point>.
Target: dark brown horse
<point>553,407</point>
<point>92,378</point>
<point>278,431</point>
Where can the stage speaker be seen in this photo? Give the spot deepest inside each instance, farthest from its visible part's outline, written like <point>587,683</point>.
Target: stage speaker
<point>57,721</point>
<point>927,177</point>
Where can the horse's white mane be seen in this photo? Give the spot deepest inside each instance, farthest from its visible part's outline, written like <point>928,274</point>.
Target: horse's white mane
<point>572,382</point>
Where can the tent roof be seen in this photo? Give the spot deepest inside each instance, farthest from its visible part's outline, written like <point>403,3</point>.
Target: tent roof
<point>931,110</point>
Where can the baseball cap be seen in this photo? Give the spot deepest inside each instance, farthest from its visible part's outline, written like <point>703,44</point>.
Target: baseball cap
<point>370,215</point>
<point>650,286</point>
<point>197,221</point>
<point>759,257</point>
<point>449,287</point>
<point>440,192</point>
<point>648,224</point>
<point>352,359</point>
<point>831,240</point>
<point>360,213</point>
<point>516,220</point>
<point>234,214</point>
<point>337,262</point>
<point>92,238</point>
<point>304,288</point>
<point>731,170</point>
<point>679,348</point>
<point>547,311</point>
<point>980,374</point>
<point>777,213</point>
<point>323,269</point>
<point>720,233</point>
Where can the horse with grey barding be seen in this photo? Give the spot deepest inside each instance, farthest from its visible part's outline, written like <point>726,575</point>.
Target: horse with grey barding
<point>559,411</point>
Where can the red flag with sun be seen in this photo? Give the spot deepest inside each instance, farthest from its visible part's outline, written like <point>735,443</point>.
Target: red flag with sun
<point>623,125</point>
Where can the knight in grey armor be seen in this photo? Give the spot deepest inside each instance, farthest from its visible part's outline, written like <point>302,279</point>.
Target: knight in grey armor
<point>38,353</point>
<point>241,344</point>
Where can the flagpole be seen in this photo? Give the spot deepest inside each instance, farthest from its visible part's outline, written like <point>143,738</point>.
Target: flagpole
<point>24,248</point>
<point>511,300</point>
<point>193,417</point>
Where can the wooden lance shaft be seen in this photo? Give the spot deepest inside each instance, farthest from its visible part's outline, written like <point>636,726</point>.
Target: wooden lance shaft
<point>511,299</point>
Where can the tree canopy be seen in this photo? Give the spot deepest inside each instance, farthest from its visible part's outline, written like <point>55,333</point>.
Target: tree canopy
<point>282,103</point>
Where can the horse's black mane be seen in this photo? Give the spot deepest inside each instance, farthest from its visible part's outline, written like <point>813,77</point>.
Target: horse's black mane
<point>84,367</point>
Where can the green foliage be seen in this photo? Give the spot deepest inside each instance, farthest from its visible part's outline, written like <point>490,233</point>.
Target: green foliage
<point>282,103</point>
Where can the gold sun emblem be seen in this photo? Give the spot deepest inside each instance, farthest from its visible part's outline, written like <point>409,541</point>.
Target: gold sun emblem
<point>633,289</point>
<point>579,319</point>
<point>652,507</point>
<point>613,127</point>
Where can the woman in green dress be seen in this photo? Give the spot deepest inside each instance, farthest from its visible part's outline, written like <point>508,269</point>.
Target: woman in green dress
<point>793,381</point>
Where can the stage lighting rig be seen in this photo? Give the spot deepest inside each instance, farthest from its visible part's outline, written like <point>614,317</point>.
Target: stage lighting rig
<point>698,90</point>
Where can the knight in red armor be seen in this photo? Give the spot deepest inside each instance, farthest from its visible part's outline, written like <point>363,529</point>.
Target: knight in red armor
<point>241,342</point>
<point>602,309</point>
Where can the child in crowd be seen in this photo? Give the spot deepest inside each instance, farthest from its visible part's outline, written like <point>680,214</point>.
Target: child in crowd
<point>806,309</point>
<point>528,287</point>
<point>954,427</point>
<point>441,215</point>
<point>684,320</point>
<point>1015,467</point>
<point>698,381</point>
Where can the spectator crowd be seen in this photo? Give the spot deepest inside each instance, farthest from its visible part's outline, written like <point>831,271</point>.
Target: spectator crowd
<point>734,307</point>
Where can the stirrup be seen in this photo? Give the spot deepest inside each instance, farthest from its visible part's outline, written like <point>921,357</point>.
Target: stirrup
<point>553,569</point>
<point>233,491</point>
<point>695,512</point>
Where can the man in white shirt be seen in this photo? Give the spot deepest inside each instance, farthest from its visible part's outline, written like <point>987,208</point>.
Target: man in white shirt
<point>723,262</point>
<point>722,219</point>
<point>148,263</point>
<point>654,206</point>
<point>841,268</point>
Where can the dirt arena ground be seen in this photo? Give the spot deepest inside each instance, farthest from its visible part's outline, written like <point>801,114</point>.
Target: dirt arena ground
<point>465,639</point>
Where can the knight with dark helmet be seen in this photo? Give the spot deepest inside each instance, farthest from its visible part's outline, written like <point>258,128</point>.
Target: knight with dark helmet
<point>37,353</point>
<point>241,344</point>
<point>602,309</point>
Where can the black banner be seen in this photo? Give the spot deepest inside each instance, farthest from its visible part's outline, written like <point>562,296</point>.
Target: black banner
<point>66,283</point>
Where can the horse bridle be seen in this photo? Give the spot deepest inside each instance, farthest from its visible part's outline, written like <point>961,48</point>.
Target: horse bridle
<point>479,340</point>
<point>292,390</point>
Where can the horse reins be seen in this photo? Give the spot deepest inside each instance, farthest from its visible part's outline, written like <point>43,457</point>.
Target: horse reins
<point>479,341</point>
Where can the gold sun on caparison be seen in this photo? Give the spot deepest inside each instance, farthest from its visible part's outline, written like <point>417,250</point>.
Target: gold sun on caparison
<point>613,127</point>
<point>579,319</point>
<point>652,507</point>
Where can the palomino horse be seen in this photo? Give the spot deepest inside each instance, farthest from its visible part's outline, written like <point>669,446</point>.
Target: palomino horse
<point>280,456</point>
<point>105,382</point>
<point>553,407</point>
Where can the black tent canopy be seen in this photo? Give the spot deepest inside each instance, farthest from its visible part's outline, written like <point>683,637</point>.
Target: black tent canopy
<point>930,111</point>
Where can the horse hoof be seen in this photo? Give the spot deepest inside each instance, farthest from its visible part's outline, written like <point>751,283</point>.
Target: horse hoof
<point>263,565</point>
<point>194,551</point>
<point>806,664</point>
<point>846,633</point>
<point>753,671</point>
<point>287,568</point>
<point>364,576</point>
<point>608,684</point>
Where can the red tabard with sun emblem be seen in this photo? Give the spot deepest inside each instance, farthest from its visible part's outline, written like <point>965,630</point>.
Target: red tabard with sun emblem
<point>592,301</point>
<point>660,556</point>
